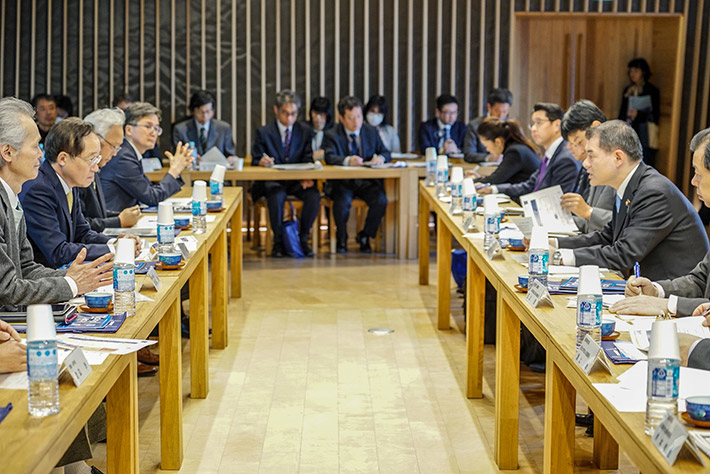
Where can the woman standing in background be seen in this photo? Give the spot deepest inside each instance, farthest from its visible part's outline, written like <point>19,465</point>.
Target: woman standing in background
<point>641,108</point>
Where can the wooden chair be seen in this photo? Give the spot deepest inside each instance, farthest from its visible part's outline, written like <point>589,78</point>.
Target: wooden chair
<point>360,208</point>
<point>261,211</point>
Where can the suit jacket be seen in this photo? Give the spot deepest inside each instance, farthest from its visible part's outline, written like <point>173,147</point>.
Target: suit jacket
<point>473,149</point>
<point>93,205</point>
<point>655,226</point>
<point>125,185</point>
<point>57,235</point>
<point>219,135</point>
<point>692,289</point>
<point>429,134</point>
<point>600,198</point>
<point>561,169</point>
<point>700,357</point>
<point>518,164</point>
<point>336,144</point>
<point>22,280</point>
<point>268,141</point>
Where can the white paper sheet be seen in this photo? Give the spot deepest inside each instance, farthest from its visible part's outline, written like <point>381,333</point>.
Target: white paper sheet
<point>546,210</point>
<point>624,400</point>
<point>107,345</point>
<point>214,155</point>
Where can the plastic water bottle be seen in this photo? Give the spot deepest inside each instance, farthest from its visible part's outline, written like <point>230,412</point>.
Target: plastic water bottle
<point>537,265</point>
<point>194,156</point>
<point>166,227</point>
<point>124,278</point>
<point>469,203</point>
<point>217,183</point>
<point>442,175</point>
<point>589,304</point>
<point>199,207</point>
<point>430,166</point>
<point>491,221</point>
<point>456,207</point>
<point>663,374</point>
<point>42,367</point>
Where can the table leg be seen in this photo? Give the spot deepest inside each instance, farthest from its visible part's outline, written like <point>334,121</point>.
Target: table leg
<point>199,331</point>
<point>443,275</point>
<point>475,315</point>
<point>235,251</point>
<point>171,388</point>
<point>559,420</point>
<point>507,385</point>
<point>402,214</point>
<point>220,276</point>
<point>606,449</point>
<point>390,224</point>
<point>412,213</point>
<point>122,421</point>
<point>423,241</point>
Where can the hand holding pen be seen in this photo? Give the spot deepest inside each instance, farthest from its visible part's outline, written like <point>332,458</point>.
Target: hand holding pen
<point>266,161</point>
<point>637,285</point>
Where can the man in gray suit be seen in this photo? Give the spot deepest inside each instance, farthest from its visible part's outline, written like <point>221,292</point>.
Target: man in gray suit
<point>591,206</point>
<point>497,105</point>
<point>652,223</point>
<point>203,130</point>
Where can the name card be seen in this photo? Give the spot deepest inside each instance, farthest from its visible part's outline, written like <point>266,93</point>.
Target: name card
<point>469,224</point>
<point>588,353</point>
<point>538,295</point>
<point>77,366</point>
<point>494,251</point>
<point>184,251</point>
<point>153,275</point>
<point>670,436</point>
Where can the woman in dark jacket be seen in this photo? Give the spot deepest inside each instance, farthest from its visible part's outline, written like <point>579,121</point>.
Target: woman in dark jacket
<point>520,159</point>
<point>641,107</point>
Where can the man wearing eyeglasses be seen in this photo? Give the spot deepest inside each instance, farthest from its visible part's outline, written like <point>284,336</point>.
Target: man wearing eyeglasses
<point>123,180</point>
<point>56,225</point>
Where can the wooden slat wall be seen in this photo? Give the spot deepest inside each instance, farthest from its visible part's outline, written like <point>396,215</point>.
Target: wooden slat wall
<point>244,50</point>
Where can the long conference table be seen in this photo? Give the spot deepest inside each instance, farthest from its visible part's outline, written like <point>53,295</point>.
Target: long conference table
<point>36,444</point>
<point>555,329</point>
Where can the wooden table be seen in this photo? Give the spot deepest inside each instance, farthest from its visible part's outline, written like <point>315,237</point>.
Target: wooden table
<point>555,329</point>
<point>22,438</point>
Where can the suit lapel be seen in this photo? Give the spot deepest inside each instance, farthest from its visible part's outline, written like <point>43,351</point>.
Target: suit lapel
<point>61,197</point>
<point>99,196</point>
<point>192,134</point>
<point>623,215</point>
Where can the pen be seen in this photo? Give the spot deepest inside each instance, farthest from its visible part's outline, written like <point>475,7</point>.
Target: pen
<point>5,410</point>
<point>637,270</point>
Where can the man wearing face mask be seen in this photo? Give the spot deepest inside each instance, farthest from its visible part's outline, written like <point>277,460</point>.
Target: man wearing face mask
<point>497,106</point>
<point>376,115</point>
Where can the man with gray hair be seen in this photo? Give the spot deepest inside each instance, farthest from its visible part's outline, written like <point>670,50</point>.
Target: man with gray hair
<point>108,126</point>
<point>652,222</point>
<point>123,180</point>
<point>285,140</point>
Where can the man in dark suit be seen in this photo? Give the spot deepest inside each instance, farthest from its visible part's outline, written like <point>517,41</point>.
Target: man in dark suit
<point>498,105</point>
<point>652,223</point>
<point>203,129</point>
<point>443,132</point>
<point>55,222</point>
<point>124,183</point>
<point>354,143</point>
<point>108,126</point>
<point>46,107</point>
<point>285,140</point>
<point>558,165</point>
<point>591,206</point>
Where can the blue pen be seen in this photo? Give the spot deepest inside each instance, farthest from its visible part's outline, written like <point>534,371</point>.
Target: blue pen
<point>637,270</point>
<point>5,410</point>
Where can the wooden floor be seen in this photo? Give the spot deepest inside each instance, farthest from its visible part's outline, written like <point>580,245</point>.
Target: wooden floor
<point>303,387</point>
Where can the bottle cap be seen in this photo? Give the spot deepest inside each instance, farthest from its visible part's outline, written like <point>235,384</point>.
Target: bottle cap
<point>430,153</point>
<point>199,191</point>
<point>165,213</point>
<point>442,162</point>
<point>589,281</point>
<point>490,204</point>
<point>456,174</point>
<point>40,323</point>
<point>664,340</point>
<point>218,174</point>
<point>538,238</point>
<point>469,189</point>
<point>125,251</point>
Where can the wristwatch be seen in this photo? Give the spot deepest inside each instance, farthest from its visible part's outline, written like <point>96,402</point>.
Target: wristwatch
<point>557,258</point>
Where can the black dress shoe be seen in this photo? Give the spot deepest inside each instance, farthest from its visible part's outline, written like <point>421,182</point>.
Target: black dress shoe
<point>364,242</point>
<point>584,421</point>
<point>307,251</point>
<point>538,367</point>
<point>278,252</point>
<point>342,246</point>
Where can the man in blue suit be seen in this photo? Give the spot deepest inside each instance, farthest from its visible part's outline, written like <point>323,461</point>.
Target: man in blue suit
<point>123,181</point>
<point>55,223</point>
<point>558,165</point>
<point>203,129</point>
<point>285,140</point>
<point>443,132</point>
<point>354,143</point>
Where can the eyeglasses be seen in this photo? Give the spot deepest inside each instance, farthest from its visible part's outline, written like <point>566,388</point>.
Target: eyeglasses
<point>116,148</point>
<point>154,128</point>
<point>92,161</point>
<point>538,123</point>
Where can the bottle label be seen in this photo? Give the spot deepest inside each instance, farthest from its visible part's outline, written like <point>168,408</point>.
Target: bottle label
<point>537,265</point>
<point>469,203</point>
<point>589,313</point>
<point>456,190</point>
<point>199,208</point>
<point>166,234</point>
<point>664,381</point>
<point>441,175</point>
<point>431,166</point>
<point>216,188</point>
<point>124,279</point>
<point>492,224</point>
<point>42,362</point>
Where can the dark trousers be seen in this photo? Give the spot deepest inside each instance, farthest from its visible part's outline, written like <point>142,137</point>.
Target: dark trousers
<point>276,193</point>
<point>372,191</point>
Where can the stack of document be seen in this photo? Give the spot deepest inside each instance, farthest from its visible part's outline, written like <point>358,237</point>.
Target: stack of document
<point>545,208</point>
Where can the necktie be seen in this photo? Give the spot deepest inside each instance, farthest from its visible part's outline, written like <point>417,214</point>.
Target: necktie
<point>618,203</point>
<point>353,144</point>
<point>447,133</point>
<point>287,143</point>
<point>17,215</point>
<point>70,200</point>
<point>442,137</point>
<point>203,140</point>
<point>541,174</point>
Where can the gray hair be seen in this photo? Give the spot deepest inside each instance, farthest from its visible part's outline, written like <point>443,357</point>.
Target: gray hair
<point>12,131</point>
<point>702,138</point>
<point>138,110</point>
<point>617,135</point>
<point>104,119</point>
<point>287,96</point>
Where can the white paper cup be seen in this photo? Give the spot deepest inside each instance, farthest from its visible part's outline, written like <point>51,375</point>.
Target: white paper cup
<point>165,213</point>
<point>589,281</point>
<point>218,173</point>
<point>456,174</point>
<point>125,251</point>
<point>442,162</point>
<point>239,164</point>
<point>664,340</point>
<point>430,153</point>
<point>199,191</point>
<point>469,189</point>
<point>490,204</point>
<point>40,323</point>
<point>538,238</point>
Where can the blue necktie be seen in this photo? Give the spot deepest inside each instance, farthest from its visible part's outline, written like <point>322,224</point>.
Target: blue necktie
<point>618,203</point>
<point>353,144</point>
